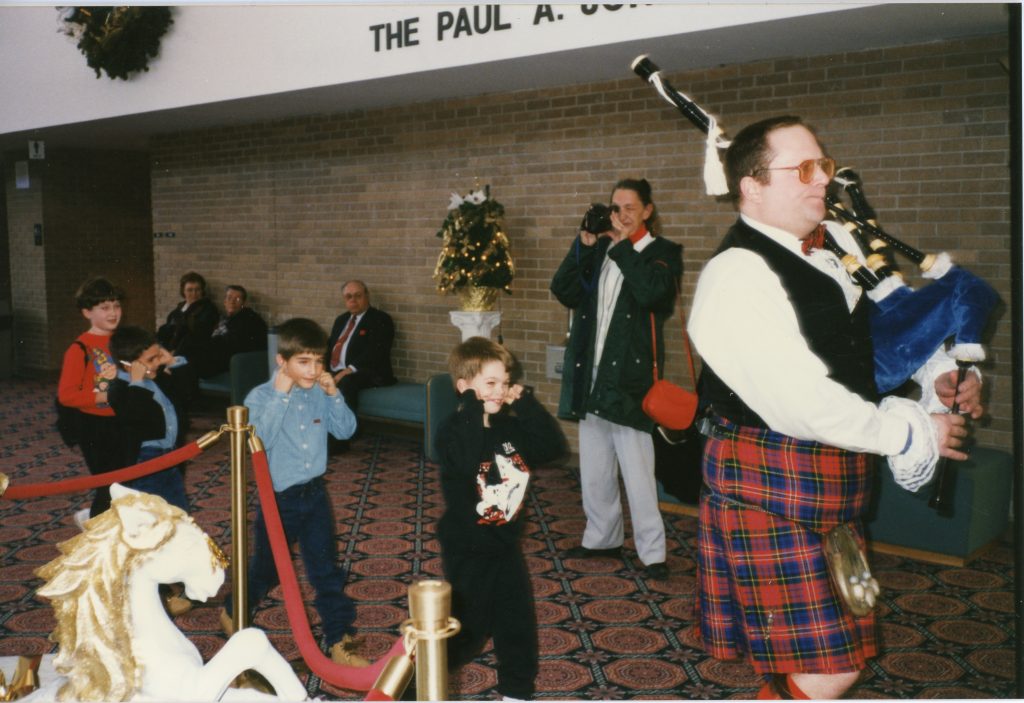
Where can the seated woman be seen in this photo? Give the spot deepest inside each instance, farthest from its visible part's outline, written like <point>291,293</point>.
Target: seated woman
<point>189,325</point>
<point>241,329</point>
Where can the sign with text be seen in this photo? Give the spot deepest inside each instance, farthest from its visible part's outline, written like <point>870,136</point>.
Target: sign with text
<point>477,20</point>
<point>415,38</point>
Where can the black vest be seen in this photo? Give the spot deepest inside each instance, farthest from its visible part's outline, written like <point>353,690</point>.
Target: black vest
<point>838,337</point>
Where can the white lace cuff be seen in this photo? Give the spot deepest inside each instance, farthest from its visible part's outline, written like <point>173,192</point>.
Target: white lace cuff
<point>915,466</point>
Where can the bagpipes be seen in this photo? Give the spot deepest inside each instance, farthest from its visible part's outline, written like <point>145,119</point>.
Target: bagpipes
<point>908,326</point>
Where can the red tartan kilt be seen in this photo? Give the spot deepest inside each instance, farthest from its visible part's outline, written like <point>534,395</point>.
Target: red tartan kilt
<point>763,582</point>
<point>807,482</point>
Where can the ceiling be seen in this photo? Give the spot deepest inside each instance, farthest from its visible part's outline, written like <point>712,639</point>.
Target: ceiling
<point>810,35</point>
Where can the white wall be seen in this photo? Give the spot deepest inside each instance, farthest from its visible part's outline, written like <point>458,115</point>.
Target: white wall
<point>217,53</point>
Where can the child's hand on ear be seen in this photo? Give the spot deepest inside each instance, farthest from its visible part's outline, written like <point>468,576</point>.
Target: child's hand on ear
<point>462,385</point>
<point>165,360</point>
<point>282,381</point>
<point>326,382</point>
<point>514,393</point>
<point>138,371</point>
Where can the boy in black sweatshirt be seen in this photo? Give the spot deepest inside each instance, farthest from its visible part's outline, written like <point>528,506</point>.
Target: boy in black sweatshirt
<point>487,446</point>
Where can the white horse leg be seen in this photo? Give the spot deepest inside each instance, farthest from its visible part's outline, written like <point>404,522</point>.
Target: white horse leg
<point>248,649</point>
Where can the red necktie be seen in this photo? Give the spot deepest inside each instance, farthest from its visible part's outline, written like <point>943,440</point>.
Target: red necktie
<point>336,352</point>
<point>815,240</point>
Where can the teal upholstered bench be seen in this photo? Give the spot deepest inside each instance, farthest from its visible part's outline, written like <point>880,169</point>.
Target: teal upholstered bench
<point>901,521</point>
<point>421,403</point>
<point>247,370</point>
<point>402,401</point>
<point>219,384</point>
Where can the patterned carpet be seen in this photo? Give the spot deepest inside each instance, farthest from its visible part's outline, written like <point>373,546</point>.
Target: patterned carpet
<point>606,633</point>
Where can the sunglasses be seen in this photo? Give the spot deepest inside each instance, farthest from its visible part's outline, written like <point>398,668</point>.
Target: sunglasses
<point>805,169</point>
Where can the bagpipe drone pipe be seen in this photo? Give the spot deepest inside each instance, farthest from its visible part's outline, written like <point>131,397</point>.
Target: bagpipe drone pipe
<point>908,326</point>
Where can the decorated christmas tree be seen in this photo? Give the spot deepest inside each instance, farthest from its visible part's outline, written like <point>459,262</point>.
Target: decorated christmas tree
<point>475,250</point>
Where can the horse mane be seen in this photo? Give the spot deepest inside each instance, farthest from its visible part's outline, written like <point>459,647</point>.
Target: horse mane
<point>88,587</point>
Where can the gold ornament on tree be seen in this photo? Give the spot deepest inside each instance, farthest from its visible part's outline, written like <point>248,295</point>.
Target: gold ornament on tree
<point>475,261</point>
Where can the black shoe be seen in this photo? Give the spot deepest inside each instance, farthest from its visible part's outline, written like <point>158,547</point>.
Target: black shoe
<point>582,552</point>
<point>656,572</point>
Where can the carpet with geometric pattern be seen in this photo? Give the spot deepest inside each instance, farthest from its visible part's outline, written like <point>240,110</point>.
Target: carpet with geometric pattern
<point>606,632</point>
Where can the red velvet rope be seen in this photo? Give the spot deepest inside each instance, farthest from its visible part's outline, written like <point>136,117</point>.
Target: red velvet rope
<point>347,677</point>
<point>81,483</point>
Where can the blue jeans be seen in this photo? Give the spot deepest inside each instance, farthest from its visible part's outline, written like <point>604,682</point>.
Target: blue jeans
<point>169,484</point>
<point>307,518</point>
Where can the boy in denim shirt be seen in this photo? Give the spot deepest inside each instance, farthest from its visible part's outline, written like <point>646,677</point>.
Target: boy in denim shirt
<point>292,414</point>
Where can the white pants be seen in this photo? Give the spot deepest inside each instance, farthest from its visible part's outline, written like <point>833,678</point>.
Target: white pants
<point>605,448</point>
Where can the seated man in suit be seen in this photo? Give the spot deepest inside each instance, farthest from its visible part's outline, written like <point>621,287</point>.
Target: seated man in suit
<point>241,329</point>
<point>359,346</point>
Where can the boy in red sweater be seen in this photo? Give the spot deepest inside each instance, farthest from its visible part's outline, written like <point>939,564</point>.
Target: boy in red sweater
<point>86,375</point>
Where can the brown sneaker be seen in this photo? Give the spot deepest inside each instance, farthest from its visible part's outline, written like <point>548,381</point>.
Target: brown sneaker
<point>226,623</point>
<point>343,652</point>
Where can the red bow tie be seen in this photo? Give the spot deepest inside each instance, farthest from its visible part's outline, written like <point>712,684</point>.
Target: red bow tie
<point>815,240</point>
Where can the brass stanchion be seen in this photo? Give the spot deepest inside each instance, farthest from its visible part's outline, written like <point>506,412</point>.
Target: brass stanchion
<point>429,625</point>
<point>24,681</point>
<point>395,677</point>
<point>238,427</point>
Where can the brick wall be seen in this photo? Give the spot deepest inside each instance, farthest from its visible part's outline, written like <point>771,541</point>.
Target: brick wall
<point>290,209</point>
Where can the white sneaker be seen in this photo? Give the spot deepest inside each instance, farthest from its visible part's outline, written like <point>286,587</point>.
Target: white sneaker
<point>80,517</point>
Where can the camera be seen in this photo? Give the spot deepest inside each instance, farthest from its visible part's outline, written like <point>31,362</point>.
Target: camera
<point>598,218</point>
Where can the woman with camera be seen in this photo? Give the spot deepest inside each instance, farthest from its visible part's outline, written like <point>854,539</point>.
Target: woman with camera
<point>617,274</point>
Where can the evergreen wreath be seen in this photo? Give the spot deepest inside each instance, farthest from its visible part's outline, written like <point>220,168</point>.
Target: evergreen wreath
<point>118,40</point>
<point>475,250</point>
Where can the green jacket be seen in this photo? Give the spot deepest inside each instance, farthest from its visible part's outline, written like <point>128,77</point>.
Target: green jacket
<point>625,373</point>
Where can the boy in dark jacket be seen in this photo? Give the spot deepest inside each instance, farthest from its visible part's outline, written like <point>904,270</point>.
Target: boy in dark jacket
<point>146,398</point>
<point>487,446</point>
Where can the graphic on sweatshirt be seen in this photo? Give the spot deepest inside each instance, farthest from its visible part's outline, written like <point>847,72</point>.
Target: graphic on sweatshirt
<point>105,372</point>
<point>501,495</point>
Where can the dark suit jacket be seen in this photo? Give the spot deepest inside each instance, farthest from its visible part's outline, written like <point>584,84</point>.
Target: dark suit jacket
<point>369,349</point>
<point>246,332</point>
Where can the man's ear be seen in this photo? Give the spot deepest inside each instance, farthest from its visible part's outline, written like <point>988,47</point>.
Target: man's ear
<point>279,359</point>
<point>461,385</point>
<point>750,189</point>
